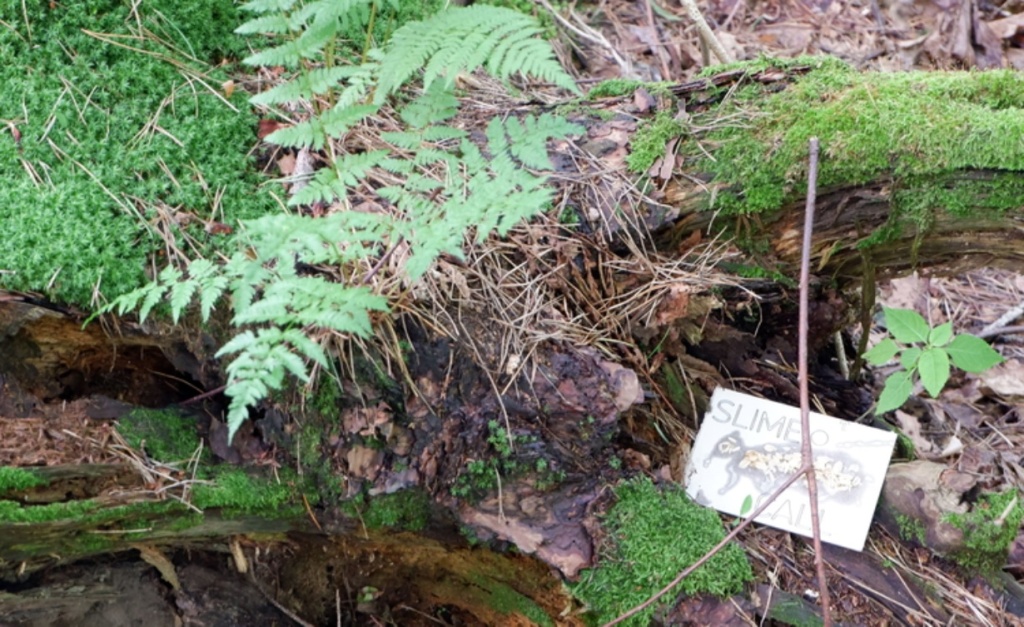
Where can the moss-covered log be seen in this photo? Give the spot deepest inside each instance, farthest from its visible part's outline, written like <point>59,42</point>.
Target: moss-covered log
<point>917,169</point>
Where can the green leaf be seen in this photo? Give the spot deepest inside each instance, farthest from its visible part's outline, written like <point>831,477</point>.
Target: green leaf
<point>972,354</point>
<point>909,357</point>
<point>941,335</point>
<point>906,325</point>
<point>151,299</point>
<point>934,370</point>
<point>181,296</point>
<point>748,504</point>
<point>267,6</point>
<point>895,392</point>
<point>276,23</point>
<point>882,353</point>
<point>462,39</point>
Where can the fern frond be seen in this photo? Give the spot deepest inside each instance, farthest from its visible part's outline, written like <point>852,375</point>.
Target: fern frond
<point>435,105</point>
<point>209,293</point>
<point>528,138</point>
<point>442,133</point>
<point>305,85</point>
<point>268,24</point>
<point>397,166</point>
<point>315,132</point>
<point>289,54</point>
<point>267,6</point>
<point>462,39</point>
<point>332,306</point>
<point>181,296</point>
<point>335,239</point>
<point>332,182</point>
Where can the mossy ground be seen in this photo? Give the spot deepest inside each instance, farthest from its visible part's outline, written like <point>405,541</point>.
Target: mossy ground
<point>654,534</point>
<point>115,127</point>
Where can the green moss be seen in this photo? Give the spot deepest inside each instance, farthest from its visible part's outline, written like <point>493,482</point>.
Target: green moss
<point>648,143</point>
<point>989,529</point>
<point>505,459</point>
<point>17,479</point>
<point>407,510</point>
<point>653,535</point>
<point>109,134</point>
<point>165,435</point>
<point>918,130</point>
<point>86,512</point>
<point>508,601</point>
<point>765,62</point>
<point>237,492</point>
<point>326,400</point>
<point>911,529</point>
<point>748,271</point>
<point>615,87</point>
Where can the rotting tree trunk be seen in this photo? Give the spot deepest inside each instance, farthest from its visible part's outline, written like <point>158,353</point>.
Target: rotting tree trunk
<point>89,510</point>
<point>918,169</point>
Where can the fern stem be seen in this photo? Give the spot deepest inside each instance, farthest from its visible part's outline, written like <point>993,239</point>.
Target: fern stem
<point>369,29</point>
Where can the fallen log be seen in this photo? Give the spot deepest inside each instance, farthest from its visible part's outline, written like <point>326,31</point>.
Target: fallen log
<point>918,169</point>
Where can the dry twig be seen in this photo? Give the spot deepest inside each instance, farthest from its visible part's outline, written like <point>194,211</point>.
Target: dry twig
<point>807,453</point>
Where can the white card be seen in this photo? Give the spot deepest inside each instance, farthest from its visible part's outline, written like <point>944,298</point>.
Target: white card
<point>748,447</point>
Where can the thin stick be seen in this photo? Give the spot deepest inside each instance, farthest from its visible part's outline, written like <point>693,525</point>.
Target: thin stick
<point>704,31</point>
<point>807,455</point>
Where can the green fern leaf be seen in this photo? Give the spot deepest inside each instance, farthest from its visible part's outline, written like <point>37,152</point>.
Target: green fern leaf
<point>307,347</point>
<point>442,133</point>
<point>237,344</point>
<point>263,310</point>
<point>210,293</point>
<point>461,39</point>
<point>306,85</point>
<point>271,24</point>
<point>153,296</point>
<point>528,139</point>
<point>435,105</point>
<point>267,6</point>
<point>315,132</point>
<point>291,362</point>
<point>127,302</point>
<point>289,55</point>
<point>181,296</point>
<point>332,182</point>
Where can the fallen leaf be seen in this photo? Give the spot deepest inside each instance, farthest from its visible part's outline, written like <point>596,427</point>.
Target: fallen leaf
<point>1006,379</point>
<point>267,127</point>
<point>228,87</point>
<point>286,164</point>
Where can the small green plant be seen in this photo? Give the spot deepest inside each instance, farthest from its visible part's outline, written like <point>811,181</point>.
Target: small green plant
<point>924,352</point>
<point>446,185</point>
<point>502,462</point>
